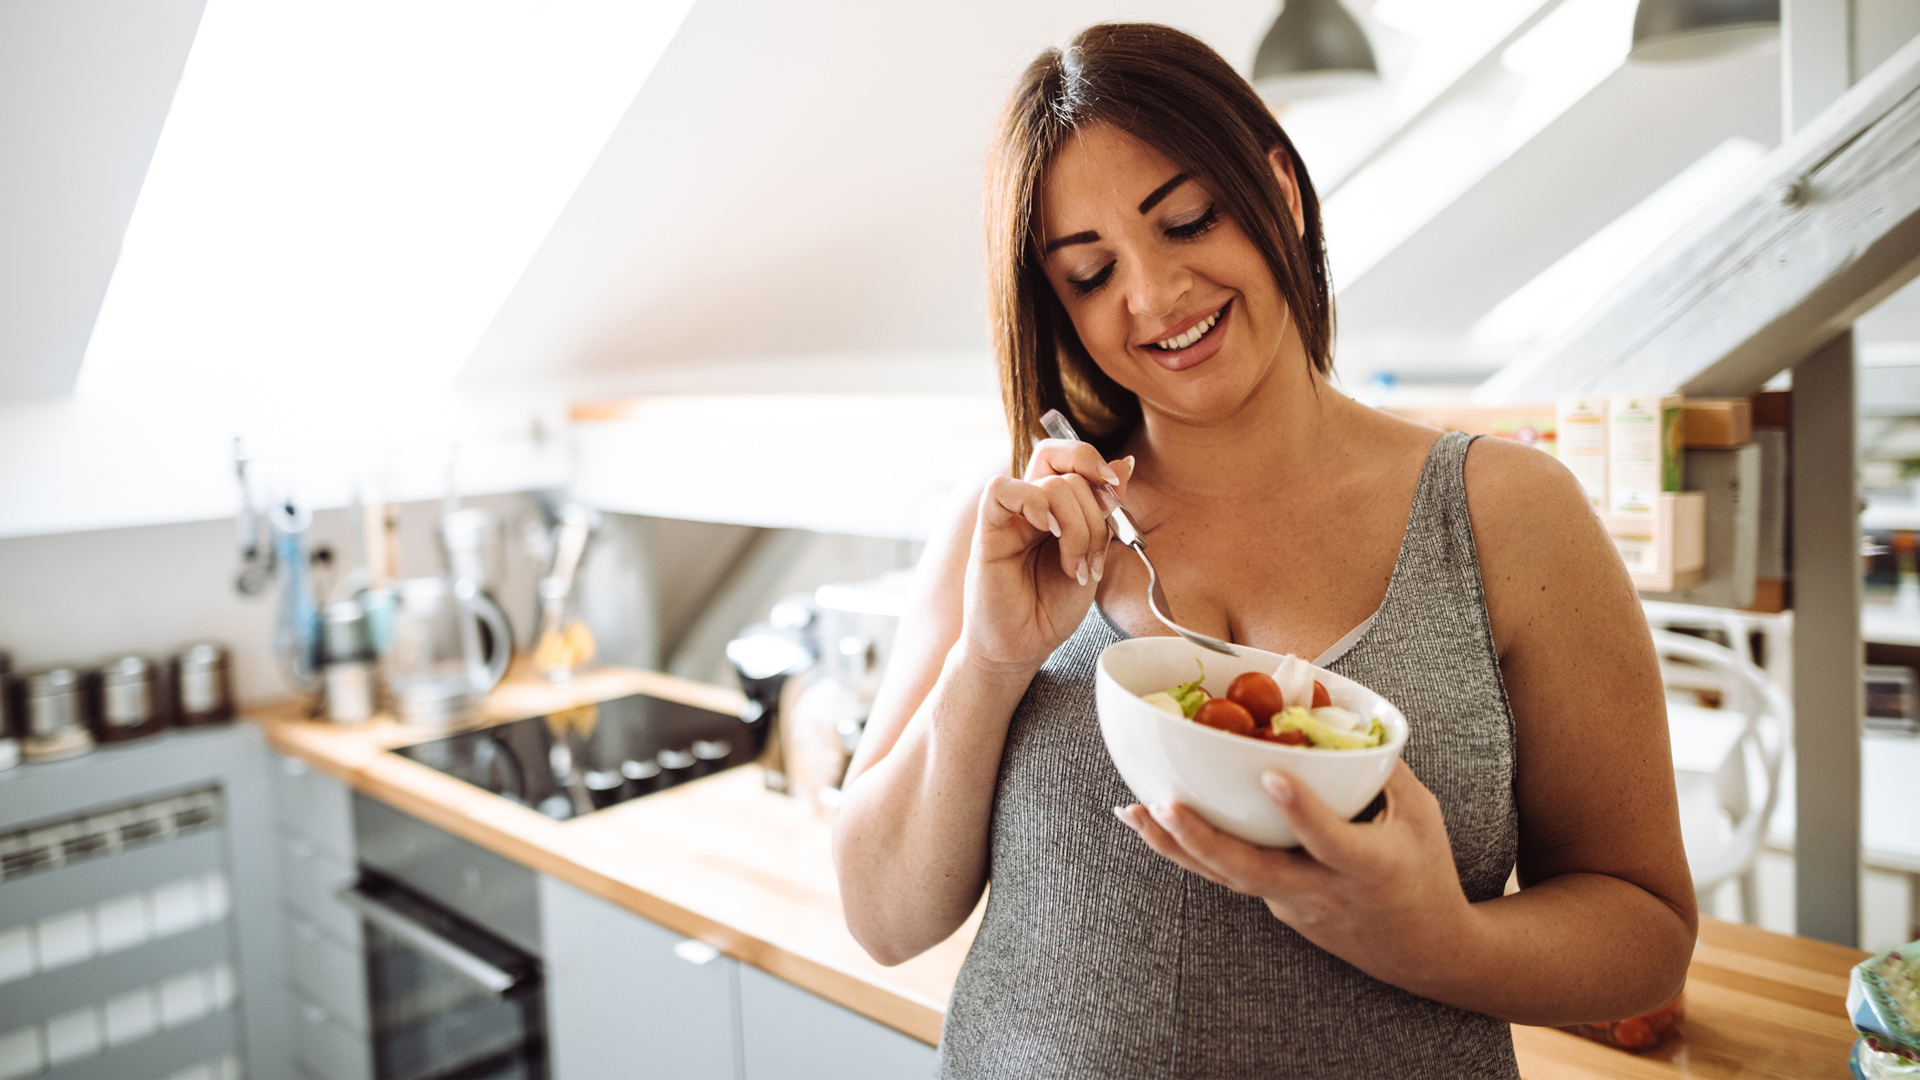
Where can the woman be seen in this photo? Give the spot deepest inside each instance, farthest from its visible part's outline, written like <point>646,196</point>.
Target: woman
<point>1157,273</point>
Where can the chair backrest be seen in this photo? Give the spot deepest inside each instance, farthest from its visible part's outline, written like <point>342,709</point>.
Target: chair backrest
<point>1768,719</point>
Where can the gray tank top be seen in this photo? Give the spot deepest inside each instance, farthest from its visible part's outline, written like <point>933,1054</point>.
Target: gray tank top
<point>1097,957</point>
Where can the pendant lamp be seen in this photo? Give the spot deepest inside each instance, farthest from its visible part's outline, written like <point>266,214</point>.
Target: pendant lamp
<point>1314,49</point>
<point>1668,31</point>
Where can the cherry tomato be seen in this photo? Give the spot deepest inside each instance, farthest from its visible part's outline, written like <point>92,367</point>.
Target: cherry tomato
<point>1257,693</point>
<point>1226,715</point>
<point>1321,699</point>
<point>1634,1033</point>
<point>1290,737</point>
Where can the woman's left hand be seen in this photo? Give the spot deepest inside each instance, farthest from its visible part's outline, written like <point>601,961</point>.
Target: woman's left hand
<point>1382,895</point>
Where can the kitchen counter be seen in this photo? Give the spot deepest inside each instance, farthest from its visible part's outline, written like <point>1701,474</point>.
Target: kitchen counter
<point>720,859</point>
<point>748,871</point>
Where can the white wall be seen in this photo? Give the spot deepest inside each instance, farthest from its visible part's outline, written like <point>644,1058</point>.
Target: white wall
<point>81,596</point>
<point>84,88</point>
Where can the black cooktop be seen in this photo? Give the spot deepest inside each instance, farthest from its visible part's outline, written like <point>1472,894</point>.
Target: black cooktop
<point>586,759</point>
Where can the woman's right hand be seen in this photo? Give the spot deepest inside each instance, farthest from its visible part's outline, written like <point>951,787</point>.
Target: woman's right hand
<point>1039,551</point>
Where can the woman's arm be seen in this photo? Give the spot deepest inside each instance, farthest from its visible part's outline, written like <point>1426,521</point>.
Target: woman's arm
<point>1600,851</point>
<point>1603,926</point>
<point>998,590</point>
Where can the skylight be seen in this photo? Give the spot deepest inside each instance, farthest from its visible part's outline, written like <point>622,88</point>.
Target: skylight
<point>1475,115</point>
<point>344,193</point>
<point>1563,292</point>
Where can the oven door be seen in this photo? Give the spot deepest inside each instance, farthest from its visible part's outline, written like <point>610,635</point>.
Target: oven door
<point>446,999</point>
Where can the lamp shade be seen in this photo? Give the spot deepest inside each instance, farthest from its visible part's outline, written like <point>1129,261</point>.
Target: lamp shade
<point>1314,49</point>
<point>1667,31</point>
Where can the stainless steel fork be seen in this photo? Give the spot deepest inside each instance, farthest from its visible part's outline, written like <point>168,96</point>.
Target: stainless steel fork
<point>1123,529</point>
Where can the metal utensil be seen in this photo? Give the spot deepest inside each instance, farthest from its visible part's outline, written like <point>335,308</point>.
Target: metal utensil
<point>1123,529</point>
<point>552,655</point>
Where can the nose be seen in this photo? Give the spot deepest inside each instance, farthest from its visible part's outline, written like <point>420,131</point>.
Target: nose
<point>1155,288</point>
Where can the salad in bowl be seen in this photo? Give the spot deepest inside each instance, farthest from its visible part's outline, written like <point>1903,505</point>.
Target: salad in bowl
<point>1199,728</point>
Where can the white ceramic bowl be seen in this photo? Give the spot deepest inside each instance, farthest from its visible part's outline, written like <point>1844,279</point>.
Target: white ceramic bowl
<point>1216,774</point>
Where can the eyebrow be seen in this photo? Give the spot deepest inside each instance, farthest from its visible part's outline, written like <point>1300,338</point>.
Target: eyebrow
<point>1087,237</point>
<point>1146,204</point>
<point>1162,192</point>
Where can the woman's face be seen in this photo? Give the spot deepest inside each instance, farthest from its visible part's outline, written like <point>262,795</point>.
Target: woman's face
<point>1168,294</point>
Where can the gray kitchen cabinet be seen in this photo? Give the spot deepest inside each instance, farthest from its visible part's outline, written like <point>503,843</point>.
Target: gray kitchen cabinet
<point>628,998</point>
<point>787,1033</point>
<point>140,928</point>
<point>326,971</point>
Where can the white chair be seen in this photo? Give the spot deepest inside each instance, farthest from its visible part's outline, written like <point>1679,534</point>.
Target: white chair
<point>1720,756</point>
<point>1742,629</point>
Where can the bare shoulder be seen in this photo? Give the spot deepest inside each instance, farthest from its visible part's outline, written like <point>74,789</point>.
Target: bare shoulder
<point>1507,480</point>
<point>1541,547</point>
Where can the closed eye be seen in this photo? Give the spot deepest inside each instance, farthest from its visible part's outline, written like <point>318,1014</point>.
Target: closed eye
<point>1194,228</point>
<point>1084,286</point>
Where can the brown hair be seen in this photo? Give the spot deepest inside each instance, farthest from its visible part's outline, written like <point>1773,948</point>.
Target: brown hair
<point>1172,92</point>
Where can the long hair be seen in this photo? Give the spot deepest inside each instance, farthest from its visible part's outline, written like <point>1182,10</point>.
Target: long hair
<point>1172,92</point>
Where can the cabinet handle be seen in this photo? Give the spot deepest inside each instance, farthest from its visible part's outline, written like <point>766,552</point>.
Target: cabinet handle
<point>418,936</point>
<point>697,953</point>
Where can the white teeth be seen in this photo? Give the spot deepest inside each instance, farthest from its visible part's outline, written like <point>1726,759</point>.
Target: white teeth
<point>1193,334</point>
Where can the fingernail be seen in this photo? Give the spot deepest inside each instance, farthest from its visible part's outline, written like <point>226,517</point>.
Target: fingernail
<point>1108,475</point>
<point>1099,564</point>
<point>1279,786</point>
<point>1081,571</point>
<point>1121,813</point>
<point>1053,524</point>
<point>1130,465</point>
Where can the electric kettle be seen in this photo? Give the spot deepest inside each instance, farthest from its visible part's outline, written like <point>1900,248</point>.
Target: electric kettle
<point>439,666</point>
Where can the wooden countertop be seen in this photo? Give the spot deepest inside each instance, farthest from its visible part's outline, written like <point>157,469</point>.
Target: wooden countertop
<point>1759,1006</point>
<point>721,859</point>
<point>748,871</point>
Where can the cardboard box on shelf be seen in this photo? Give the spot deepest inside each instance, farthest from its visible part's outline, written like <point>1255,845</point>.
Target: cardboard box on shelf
<point>1729,480</point>
<point>1772,592</point>
<point>1532,425</point>
<point>1643,452</point>
<point>1716,423</point>
<point>1582,429</point>
<point>1772,408</point>
<point>1769,596</point>
<point>1665,551</point>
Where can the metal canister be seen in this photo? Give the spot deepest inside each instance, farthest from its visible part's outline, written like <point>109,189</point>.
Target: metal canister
<point>203,684</point>
<point>346,656</point>
<point>130,704</point>
<point>55,702</point>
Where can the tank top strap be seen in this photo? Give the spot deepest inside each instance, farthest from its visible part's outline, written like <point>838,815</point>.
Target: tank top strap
<point>1438,568</point>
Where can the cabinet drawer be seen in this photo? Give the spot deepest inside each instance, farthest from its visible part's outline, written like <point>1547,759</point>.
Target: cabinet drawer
<point>314,806</point>
<point>328,972</point>
<point>627,998</point>
<point>312,880</point>
<point>323,1047</point>
<point>789,1034</point>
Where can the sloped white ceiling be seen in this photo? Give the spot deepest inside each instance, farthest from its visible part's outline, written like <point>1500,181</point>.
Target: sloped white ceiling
<point>84,90</point>
<point>1632,133</point>
<point>798,180</point>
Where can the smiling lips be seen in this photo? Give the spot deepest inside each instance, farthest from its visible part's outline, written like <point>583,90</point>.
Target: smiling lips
<point>1193,346</point>
<point>1192,333</point>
